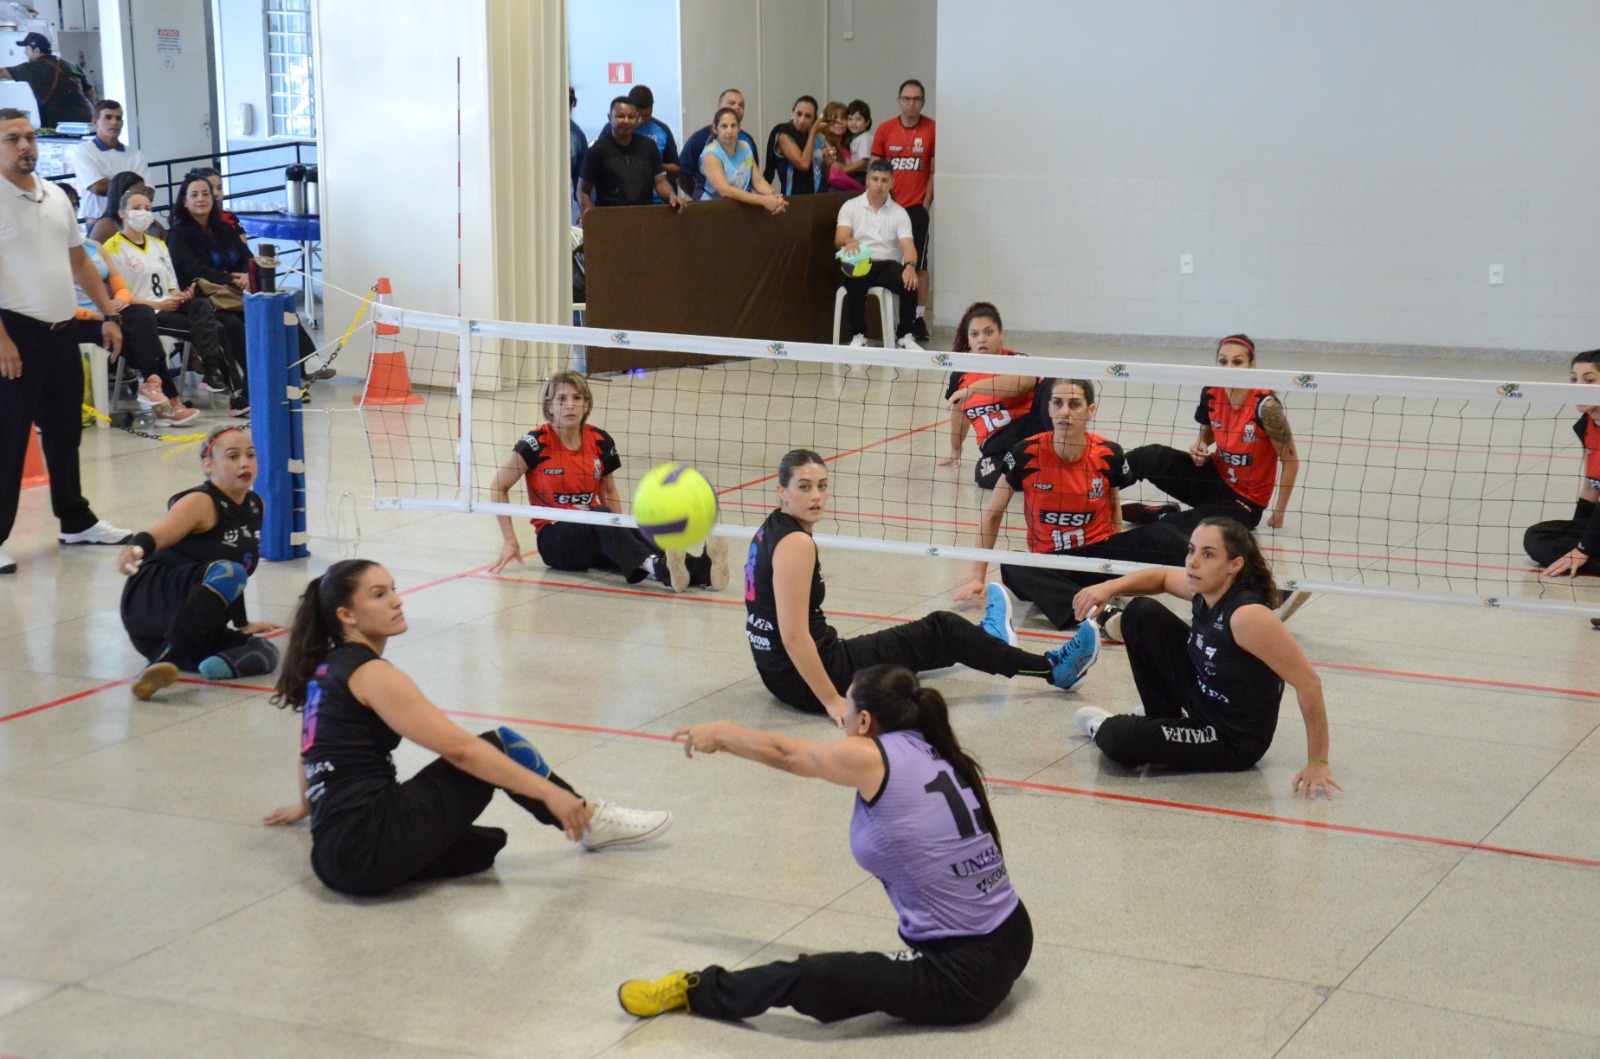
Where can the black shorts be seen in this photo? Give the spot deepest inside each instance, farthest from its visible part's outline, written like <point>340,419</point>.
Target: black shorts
<point>919,234</point>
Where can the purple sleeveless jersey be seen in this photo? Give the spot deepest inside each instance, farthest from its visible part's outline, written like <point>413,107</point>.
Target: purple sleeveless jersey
<point>926,839</point>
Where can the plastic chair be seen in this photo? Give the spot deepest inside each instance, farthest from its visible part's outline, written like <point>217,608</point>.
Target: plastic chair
<point>887,308</point>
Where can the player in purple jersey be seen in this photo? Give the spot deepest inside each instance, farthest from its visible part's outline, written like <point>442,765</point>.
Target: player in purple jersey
<point>922,825</point>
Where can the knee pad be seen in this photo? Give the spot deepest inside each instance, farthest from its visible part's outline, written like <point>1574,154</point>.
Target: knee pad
<point>227,579</point>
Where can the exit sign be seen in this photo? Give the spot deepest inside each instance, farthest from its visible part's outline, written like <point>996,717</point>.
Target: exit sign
<point>620,73</point>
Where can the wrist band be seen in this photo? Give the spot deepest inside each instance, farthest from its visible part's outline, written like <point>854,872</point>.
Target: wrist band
<point>145,542</point>
<point>1316,761</point>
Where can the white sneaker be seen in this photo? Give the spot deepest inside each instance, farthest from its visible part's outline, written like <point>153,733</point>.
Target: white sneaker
<point>150,395</point>
<point>1088,720</point>
<point>1292,601</point>
<point>717,552</point>
<point>859,340</point>
<point>907,342</point>
<point>677,571</point>
<point>613,825</point>
<point>101,532</point>
<point>8,565</point>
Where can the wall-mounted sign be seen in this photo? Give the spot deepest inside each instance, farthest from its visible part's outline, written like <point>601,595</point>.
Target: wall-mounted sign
<point>169,40</point>
<point>620,73</point>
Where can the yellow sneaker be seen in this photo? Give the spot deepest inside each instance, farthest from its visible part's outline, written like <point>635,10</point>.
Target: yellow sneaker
<point>645,999</point>
<point>156,676</point>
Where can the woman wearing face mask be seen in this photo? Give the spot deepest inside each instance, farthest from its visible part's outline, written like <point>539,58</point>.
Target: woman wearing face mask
<point>729,165</point>
<point>923,826</point>
<point>800,657</point>
<point>1069,480</point>
<point>1209,688</point>
<point>146,264</point>
<point>1000,410</point>
<point>183,604</point>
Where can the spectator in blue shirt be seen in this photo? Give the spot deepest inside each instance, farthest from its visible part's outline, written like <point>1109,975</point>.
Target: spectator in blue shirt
<point>730,168</point>
<point>578,147</point>
<point>690,176</point>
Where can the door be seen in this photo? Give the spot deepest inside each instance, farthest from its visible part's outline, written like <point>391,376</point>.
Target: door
<point>171,66</point>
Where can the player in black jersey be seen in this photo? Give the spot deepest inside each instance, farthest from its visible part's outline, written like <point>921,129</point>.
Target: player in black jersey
<point>800,657</point>
<point>369,832</point>
<point>183,604</point>
<point>1209,690</point>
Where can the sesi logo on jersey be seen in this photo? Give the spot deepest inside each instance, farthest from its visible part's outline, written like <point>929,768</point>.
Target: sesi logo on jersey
<point>572,499</point>
<point>1066,518</point>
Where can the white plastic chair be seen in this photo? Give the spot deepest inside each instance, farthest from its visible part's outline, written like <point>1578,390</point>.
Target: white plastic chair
<point>888,306</point>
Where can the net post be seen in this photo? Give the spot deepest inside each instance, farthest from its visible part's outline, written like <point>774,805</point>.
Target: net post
<point>464,419</point>
<point>276,424</point>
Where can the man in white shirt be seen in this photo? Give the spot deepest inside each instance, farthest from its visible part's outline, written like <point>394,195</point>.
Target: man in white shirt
<point>102,156</point>
<point>41,373</point>
<point>874,221</point>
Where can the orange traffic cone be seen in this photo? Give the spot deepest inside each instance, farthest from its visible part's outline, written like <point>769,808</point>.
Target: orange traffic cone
<point>388,379</point>
<point>33,469</point>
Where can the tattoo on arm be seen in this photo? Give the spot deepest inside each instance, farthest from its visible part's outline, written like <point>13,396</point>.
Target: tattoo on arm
<point>1277,426</point>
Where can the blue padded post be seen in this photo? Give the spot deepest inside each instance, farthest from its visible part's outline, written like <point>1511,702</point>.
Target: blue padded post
<point>270,337</point>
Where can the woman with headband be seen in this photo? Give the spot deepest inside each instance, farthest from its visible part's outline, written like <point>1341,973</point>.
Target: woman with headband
<point>183,604</point>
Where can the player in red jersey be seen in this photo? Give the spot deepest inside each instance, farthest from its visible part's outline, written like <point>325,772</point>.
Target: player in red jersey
<point>570,464</point>
<point>1568,547</point>
<point>1000,410</point>
<point>1069,481</point>
<point>1234,463</point>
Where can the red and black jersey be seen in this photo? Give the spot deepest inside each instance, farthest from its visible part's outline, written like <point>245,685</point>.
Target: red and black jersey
<point>1588,432</point>
<point>562,477</point>
<point>1245,457</point>
<point>986,412</point>
<point>1067,504</point>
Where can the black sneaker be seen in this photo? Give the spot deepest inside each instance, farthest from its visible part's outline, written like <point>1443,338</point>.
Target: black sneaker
<point>1141,514</point>
<point>1594,623</point>
<point>919,330</point>
<point>214,383</point>
<point>1110,621</point>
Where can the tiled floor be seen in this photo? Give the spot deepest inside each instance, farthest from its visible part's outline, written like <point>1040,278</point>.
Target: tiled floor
<point>1444,906</point>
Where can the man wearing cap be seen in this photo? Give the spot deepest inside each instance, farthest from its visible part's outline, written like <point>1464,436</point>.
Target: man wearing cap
<point>102,156</point>
<point>61,88</point>
<point>41,373</point>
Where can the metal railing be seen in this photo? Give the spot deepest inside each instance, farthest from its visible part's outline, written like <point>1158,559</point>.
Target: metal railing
<point>221,162</point>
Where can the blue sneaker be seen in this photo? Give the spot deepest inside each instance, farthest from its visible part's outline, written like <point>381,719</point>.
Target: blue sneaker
<point>997,614</point>
<point>521,751</point>
<point>1070,661</point>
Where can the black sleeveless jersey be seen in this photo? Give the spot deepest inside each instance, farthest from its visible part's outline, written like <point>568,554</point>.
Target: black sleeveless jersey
<point>1236,691</point>
<point>236,536</point>
<point>344,745</point>
<point>761,606</point>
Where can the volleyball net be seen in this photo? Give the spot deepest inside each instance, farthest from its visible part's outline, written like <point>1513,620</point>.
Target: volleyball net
<point>1408,488</point>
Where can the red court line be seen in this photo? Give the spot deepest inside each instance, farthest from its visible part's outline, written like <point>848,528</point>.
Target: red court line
<point>560,725</point>
<point>842,455</point>
<point>64,700</point>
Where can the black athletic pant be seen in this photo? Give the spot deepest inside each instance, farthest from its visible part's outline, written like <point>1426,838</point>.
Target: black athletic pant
<point>141,344</point>
<point>198,323</point>
<point>887,274</point>
<point>577,546</point>
<point>171,615</point>
<point>1157,645</point>
<point>932,642</point>
<point>1175,474</point>
<point>1548,541</point>
<point>49,393</point>
<point>1052,590</point>
<point>948,981</point>
<point>420,829</point>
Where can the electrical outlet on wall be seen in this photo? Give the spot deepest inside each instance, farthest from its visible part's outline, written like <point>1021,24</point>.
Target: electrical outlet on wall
<point>1497,275</point>
<point>1186,263</point>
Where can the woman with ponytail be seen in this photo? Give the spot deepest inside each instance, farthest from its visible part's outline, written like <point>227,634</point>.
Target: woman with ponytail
<point>369,832</point>
<point>1209,690</point>
<point>1000,410</point>
<point>922,825</point>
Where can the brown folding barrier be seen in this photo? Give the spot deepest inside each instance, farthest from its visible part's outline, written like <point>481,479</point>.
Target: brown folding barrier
<point>717,268</point>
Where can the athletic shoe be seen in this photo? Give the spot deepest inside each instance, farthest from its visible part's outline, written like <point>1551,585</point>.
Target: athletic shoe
<point>858,341</point>
<point>717,552</point>
<point>1070,661</point>
<point>101,532</point>
<point>677,570</point>
<point>613,825</point>
<point>1594,623</point>
<point>919,330</point>
<point>156,675</point>
<point>324,374</point>
<point>1140,514</point>
<point>997,614</point>
<point>213,383</point>
<point>1110,622</point>
<point>1292,601</point>
<point>175,416</point>
<point>908,342</point>
<point>239,411</point>
<point>1088,720</point>
<point>8,565</point>
<point>646,998</point>
<point>150,395</point>
<point>253,658</point>
<point>524,753</point>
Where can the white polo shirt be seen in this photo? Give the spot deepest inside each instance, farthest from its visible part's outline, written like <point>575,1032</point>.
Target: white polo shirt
<point>93,161</point>
<point>879,230</point>
<point>37,229</point>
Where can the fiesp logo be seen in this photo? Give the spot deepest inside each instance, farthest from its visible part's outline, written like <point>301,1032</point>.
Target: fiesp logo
<point>1117,371</point>
<point>1305,382</point>
<point>1510,389</point>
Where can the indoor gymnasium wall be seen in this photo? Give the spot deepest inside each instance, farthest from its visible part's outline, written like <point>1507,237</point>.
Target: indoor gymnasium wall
<point>1340,172</point>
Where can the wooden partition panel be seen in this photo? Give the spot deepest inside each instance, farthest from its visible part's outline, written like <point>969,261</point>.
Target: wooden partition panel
<point>717,268</point>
